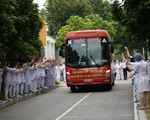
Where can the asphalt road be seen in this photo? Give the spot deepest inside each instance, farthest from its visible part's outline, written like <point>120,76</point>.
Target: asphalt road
<point>61,104</point>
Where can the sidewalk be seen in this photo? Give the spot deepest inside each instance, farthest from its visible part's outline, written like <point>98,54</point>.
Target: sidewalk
<point>6,103</point>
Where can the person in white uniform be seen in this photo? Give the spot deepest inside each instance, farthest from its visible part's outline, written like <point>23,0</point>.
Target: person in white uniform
<point>47,81</point>
<point>52,75</point>
<point>58,73</point>
<point>118,70</point>
<point>18,79</point>
<point>130,67</point>
<point>43,75</point>
<point>144,85</point>
<point>28,78</point>
<point>63,69</point>
<point>22,79</point>
<point>136,83</point>
<point>9,81</point>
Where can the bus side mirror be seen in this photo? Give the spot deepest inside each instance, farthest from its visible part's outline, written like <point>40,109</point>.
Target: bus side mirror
<point>61,50</point>
<point>112,49</point>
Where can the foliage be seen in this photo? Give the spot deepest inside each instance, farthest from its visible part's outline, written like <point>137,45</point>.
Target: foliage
<point>137,19</point>
<point>92,22</point>
<point>43,13</point>
<point>101,7</point>
<point>134,17</point>
<point>20,27</point>
<point>59,11</point>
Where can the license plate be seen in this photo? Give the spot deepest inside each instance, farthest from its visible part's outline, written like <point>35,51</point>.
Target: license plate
<point>88,80</point>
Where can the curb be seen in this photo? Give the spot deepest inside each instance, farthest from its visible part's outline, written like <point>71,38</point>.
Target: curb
<point>9,102</point>
<point>138,114</point>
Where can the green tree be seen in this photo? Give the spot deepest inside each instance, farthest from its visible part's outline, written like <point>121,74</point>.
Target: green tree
<point>137,19</point>
<point>20,25</point>
<point>92,22</point>
<point>59,11</point>
<point>7,28</point>
<point>43,13</point>
<point>134,17</point>
<point>101,7</point>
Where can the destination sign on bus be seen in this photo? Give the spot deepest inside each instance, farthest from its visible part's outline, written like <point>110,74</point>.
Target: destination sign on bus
<point>89,40</point>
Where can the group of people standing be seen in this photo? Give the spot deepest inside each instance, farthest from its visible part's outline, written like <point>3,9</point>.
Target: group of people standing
<point>19,79</point>
<point>139,71</point>
<point>120,70</point>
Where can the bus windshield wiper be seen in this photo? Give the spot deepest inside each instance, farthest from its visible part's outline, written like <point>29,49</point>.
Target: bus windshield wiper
<point>98,65</point>
<point>93,59</point>
<point>72,65</point>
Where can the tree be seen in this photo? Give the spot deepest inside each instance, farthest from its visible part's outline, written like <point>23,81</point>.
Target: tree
<point>137,19</point>
<point>59,11</point>
<point>92,22</point>
<point>7,28</point>
<point>134,17</point>
<point>101,7</point>
<point>21,25</point>
<point>43,13</point>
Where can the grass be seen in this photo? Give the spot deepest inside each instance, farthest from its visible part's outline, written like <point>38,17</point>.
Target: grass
<point>147,111</point>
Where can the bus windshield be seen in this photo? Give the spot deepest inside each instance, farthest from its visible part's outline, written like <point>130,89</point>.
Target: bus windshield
<point>87,52</point>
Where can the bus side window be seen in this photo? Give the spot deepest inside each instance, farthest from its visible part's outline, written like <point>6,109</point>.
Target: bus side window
<point>112,49</point>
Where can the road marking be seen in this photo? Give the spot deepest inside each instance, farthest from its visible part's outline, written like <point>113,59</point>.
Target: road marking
<point>126,102</point>
<point>124,115</point>
<point>72,107</point>
<point>72,117</point>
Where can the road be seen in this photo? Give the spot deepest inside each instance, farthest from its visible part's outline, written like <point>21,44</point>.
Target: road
<point>61,104</point>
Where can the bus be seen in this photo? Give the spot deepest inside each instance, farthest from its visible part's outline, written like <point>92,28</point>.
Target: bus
<point>88,59</point>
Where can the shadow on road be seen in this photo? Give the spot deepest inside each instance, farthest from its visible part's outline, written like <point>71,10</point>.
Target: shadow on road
<point>98,88</point>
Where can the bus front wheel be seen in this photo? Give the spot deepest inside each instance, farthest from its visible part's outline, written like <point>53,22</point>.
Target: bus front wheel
<point>73,88</point>
<point>109,87</point>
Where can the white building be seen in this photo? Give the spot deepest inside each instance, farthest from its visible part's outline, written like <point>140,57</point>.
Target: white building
<point>50,47</point>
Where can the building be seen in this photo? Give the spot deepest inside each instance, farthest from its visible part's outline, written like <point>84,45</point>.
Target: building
<point>50,47</point>
<point>48,42</point>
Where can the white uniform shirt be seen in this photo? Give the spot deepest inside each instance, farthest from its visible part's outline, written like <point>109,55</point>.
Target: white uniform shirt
<point>135,76</point>
<point>58,71</point>
<point>43,73</point>
<point>8,75</point>
<point>143,79</point>
<point>22,75</point>
<point>28,76</point>
<point>18,77</point>
<point>13,76</point>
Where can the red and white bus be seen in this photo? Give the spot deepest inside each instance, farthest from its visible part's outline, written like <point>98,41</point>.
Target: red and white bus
<point>88,59</point>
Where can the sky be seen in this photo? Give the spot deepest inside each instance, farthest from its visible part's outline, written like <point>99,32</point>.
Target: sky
<point>40,2</point>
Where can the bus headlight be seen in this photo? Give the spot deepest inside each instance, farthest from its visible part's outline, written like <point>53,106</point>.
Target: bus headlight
<point>68,75</point>
<point>108,73</point>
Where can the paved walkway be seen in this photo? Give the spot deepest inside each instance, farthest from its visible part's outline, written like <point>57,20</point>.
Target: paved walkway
<point>8,102</point>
